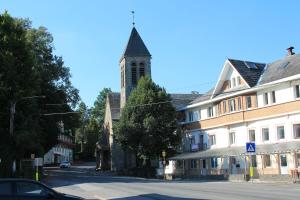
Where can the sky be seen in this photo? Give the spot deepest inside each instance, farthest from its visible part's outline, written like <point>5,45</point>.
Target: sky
<point>189,40</point>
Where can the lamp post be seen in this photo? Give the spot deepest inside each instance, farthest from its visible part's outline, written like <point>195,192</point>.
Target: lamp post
<point>12,118</point>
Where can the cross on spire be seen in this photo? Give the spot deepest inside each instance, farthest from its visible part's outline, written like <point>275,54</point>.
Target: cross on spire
<point>133,18</point>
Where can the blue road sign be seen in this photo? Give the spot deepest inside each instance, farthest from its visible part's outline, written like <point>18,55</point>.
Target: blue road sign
<point>250,147</point>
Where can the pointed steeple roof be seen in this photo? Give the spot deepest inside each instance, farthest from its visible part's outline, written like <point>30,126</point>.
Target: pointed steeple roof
<point>135,45</point>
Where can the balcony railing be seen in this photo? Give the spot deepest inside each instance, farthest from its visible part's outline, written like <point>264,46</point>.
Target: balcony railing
<point>198,147</point>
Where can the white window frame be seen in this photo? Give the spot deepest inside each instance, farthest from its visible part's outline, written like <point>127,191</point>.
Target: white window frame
<point>232,105</point>
<point>266,98</point>
<point>278,136</point>
<point>232,138</point>
<point>297,91</point>
<point>273,96</point>
<point>263,134</point>
<point>239,103</point>
<point>210,111</point>
<point>294,132</point>
<point>249,135</point>
<point>212,139</point>
<point>247,102</point>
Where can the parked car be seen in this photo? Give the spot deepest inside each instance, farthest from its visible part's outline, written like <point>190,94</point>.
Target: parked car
<point>25,189</point>
<point>65,164</point>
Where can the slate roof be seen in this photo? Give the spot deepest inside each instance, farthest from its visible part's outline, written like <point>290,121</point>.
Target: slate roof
<point>114,102</point>
<point>181,100</point>
<point>288,66</point>
<point>282,147</point>
<point>135,45</point>
<point>251,76</point>
<point>203,97</point>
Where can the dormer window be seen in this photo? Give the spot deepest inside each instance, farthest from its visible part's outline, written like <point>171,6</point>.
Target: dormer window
<point>233,84</point>
<point>239,80</point>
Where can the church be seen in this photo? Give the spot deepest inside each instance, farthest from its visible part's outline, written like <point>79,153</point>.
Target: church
<point>134,63</point>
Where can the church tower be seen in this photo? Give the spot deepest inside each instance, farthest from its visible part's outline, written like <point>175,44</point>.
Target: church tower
<point>134,63</point>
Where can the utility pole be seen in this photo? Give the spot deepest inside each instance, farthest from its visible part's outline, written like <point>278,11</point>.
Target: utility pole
<point>11,121</point>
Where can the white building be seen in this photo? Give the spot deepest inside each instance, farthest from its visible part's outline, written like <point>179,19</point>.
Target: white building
<point>251,102</point>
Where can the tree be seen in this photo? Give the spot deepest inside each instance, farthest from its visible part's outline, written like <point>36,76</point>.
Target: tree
<point>98,110</point>
<point>148,121</point>
<point>29,68</point>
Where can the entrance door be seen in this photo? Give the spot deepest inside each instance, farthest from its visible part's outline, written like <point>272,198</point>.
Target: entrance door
<point>283,164</point>
<point>232,163</point>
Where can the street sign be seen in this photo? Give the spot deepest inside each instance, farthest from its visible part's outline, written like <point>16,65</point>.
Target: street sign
<point>250,147</point>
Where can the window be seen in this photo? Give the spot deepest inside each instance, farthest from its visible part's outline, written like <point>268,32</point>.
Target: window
<point>193,164</point>
<point>252,135</point>
<point>297,130</point>
<point>283,161</point>
<point>239,80</point>
<point>273,97</point>
<point>232,105</point>
<point>5,189</point>
<point>232,138</point>
<point>297,91</point>
<point>212,140</point>
<point>196,115</point>
<point>265,134</point>
<point>266,99</point>
<point>224,106</point>
<point>191,116</point>
<point>240,103</point>
<point>133,75</point>
<point>298,159</point>
<point>233,82</point>
<point>280,132</point>
<point>267,161</point>
<point>248,100</point>
<point>214,162</point>
<point>210,112</point>
<point>204,163</point>
<point>142,69</point>
<point>229,84</point>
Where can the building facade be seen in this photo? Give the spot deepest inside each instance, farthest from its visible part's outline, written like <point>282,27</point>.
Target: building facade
<point>251,102</point>
<point>63,150</point>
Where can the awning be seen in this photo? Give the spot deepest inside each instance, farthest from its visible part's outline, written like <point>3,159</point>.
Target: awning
<point>281,147</point>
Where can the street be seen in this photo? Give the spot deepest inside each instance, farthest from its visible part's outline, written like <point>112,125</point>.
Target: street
<point>84,182</point>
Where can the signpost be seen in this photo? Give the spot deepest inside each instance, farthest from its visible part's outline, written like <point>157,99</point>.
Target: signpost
<point>251,148</point>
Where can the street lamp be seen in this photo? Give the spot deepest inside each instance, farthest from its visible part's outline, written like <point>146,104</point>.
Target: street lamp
<point>13,111</point>
<point>12,117</point>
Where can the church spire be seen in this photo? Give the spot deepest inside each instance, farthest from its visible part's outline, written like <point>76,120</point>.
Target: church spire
<point>133,18</point>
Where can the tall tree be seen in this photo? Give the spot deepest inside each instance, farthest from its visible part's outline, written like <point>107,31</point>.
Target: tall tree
<point>29,70</point>
<point>148,122</point>
<point>99,106</point>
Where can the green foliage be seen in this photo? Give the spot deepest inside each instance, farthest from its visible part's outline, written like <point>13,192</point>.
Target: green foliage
<point>148,122</point>
<point>28,67</point>
<point>98,110</point>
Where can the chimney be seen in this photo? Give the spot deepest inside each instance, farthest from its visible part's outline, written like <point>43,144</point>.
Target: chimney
<point>290,51</point>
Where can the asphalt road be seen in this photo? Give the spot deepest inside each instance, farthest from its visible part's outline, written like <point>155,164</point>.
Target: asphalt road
<point>83,181</point>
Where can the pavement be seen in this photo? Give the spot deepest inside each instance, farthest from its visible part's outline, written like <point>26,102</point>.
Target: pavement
<point>83,181</point>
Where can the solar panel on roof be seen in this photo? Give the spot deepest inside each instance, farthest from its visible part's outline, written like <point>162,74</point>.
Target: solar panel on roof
<point>250,65</point>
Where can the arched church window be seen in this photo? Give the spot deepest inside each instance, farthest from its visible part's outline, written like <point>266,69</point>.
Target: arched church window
<point>142,69</point>
<point>133,74</point>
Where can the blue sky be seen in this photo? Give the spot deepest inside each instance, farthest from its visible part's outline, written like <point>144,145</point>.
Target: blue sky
<point>189,39</point>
